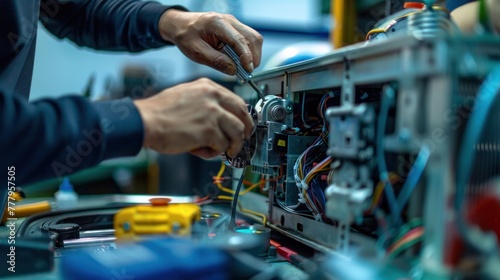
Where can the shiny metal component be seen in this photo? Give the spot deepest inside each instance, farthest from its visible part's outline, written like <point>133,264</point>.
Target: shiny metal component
<point>430,109</point>
<point>100,200</point>
<point>319,236</point>
<point>242,75</point>
<point>278,113</point>
<point>247,151</point>
<point>272,115</point>
<point>97,233</point>
<point>352,132</point>
<point>87,241</point>
<point>351,139</point>
<point>243,158</point>
<point>262,233</point>
<point>211,222</point>
<point>431,23</point>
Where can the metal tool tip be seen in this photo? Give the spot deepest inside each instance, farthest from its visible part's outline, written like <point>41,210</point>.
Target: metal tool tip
<point>257,89</point>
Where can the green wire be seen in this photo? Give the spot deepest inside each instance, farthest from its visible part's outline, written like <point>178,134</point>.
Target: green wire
<point>483,16</point>
<point>404,229</point>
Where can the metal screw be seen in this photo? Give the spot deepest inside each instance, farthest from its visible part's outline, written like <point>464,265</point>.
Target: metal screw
<point>289,108</point>
<point>126,226</point>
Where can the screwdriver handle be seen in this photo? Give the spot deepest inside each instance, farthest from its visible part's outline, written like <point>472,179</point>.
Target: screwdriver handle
<point>26,210</point>
<point>242,75</point>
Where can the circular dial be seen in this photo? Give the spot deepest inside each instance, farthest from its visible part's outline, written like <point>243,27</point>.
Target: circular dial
<point>245,155</point>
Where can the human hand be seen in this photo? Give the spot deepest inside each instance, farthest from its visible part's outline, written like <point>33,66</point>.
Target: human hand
<point>200,117</point>
<point>198,35</point>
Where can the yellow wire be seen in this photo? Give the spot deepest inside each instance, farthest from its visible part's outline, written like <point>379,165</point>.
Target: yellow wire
<point>221,170</point>
<point>311,175</point>
<point>374,31</point>
<point>243,192</point>
<point>249,189</point>
<point>262,216</point>
<point>219,176</point>
<point>377,194</point>
<point>318,168</point>
<point>380,188</point>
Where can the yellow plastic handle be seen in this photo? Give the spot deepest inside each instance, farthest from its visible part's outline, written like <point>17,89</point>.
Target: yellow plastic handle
<point>26,210</point>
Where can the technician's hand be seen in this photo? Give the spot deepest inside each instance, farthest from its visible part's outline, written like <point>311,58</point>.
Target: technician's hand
<point>198,35</point>
<point>200,117</point>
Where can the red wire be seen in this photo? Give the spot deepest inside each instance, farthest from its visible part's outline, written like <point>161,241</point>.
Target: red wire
<point>414,232</point>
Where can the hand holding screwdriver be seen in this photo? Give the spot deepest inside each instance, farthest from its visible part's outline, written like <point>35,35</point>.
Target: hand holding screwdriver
<point>242,75</point>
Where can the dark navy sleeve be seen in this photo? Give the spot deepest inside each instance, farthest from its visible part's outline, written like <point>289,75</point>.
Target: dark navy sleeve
<point>124,25</point>
<point>55,137</point>
<point>453,4</point>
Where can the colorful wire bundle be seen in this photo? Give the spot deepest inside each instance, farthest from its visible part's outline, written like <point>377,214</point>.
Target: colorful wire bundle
<point>218,179</point>
<point>407,236</point>
<point>311,165</point>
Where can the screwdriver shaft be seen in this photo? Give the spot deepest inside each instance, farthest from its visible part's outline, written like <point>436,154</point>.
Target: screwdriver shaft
<point>242,75</point>
<point>257,89</point>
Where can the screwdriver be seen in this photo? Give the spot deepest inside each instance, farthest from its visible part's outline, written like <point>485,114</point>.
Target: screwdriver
<point>242,75</point>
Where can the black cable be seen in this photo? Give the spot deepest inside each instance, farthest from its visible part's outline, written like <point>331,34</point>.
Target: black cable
<point>232,222</point>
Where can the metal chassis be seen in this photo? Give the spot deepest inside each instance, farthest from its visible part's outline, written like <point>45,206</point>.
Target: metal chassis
<point>427,73</point>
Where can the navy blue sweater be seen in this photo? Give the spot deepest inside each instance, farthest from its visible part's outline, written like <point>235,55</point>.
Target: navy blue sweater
<point>55,137</point>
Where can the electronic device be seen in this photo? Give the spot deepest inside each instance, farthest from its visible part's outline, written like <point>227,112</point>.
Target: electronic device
<point>377,154</point>
<point>381,158</point>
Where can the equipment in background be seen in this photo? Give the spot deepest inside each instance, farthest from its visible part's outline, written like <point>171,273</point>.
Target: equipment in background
<point>361,149</point>
<point>66,197</point>
<point>418,19</point>
<point>351,140</point>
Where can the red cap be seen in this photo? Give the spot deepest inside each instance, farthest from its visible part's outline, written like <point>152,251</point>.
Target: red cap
<point>414,5</point>
<point>160,201</point>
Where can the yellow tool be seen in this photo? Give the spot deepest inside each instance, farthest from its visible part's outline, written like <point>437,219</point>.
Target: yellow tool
<point>25,210</point>
<point>158,218</point>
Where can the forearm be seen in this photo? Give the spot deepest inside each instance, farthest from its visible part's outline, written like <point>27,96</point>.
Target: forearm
<point>467,16</point>
<point>56,137</point>
<point>128,25</point>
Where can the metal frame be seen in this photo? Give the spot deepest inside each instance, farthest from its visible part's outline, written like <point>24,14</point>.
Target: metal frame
<point>427,72</point>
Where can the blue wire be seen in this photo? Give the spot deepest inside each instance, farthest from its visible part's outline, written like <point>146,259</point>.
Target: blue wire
<point>478,117</point>
<point>413,177</point>
<point>387,100</point>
